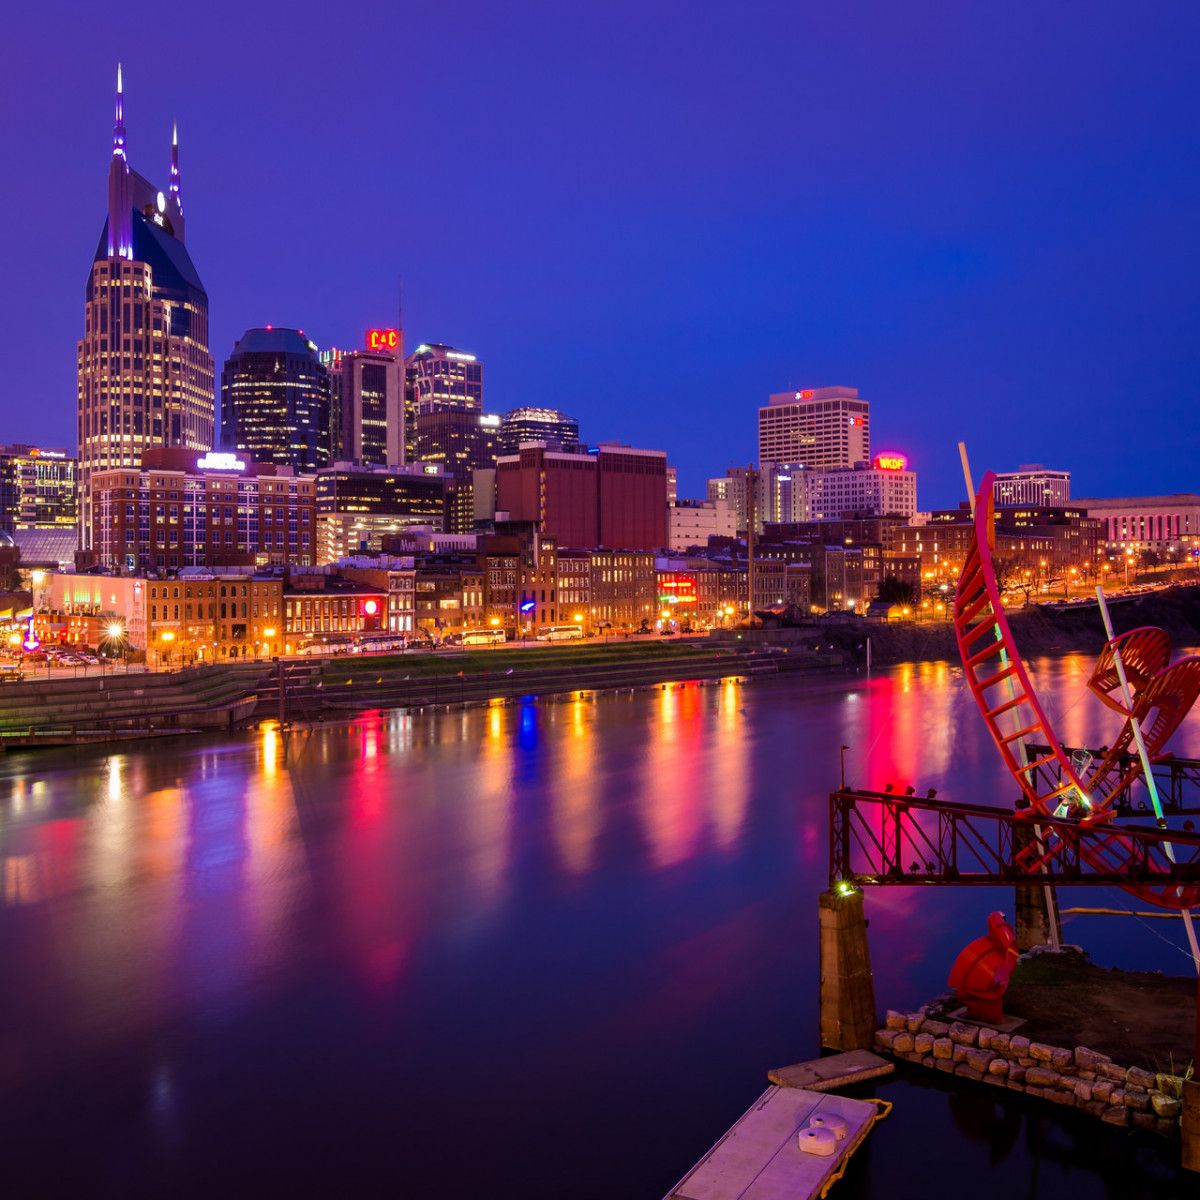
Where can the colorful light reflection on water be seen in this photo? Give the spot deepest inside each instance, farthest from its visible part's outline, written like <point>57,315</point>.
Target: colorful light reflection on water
<point>436,952</point>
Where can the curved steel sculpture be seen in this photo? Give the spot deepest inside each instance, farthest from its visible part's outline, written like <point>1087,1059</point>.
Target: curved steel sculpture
<point>1161,695</point>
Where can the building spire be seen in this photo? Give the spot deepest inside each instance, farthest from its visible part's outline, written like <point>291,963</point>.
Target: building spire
<point>119,124</point>
<point>120,196</point>
<point>173,184</point>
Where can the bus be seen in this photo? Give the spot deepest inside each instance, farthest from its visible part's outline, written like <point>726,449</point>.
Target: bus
<point>561,633</point>
<point>482,637</point>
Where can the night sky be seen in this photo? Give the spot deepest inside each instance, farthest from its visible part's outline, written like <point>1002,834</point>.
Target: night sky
<point>985,217</point>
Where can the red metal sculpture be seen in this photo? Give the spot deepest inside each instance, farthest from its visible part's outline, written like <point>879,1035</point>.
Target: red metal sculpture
<point>981,972</point>
<point>1161,696</point>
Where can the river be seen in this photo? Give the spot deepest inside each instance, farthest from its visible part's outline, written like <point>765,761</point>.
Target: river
<point>535,949</point>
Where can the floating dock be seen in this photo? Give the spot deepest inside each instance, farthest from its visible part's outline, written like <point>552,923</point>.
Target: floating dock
<point>760,1157</point>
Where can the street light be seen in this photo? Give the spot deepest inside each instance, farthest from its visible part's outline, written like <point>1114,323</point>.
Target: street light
<point>114,635</point>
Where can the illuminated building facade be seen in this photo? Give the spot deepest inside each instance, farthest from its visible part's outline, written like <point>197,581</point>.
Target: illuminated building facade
<point>145,374</point>
<point>696,593</point>
<point>450,597</point>
<point>357,506</point>
<point>438,376</point>
<point>202,616</point>
<point>815,427</point>
<point>886,487</point>
<point>79,608</point>
<point>1032,485</point>
<point>624,590</point>
<point>370,422</point>
<point>37,489</point>
<point>390,573</point>
<point>1161,523</point>
<point>275,400</point>
<point>547,425</point>
<point>322,609</point>
<point>463,441</point>
<point>182,509</point>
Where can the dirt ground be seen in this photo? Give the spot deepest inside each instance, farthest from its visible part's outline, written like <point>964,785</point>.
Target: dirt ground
<point>1139,1018</point>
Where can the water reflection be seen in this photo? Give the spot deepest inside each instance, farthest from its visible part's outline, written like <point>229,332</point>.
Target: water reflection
<point>379,910</point>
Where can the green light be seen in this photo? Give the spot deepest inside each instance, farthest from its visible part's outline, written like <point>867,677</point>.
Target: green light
<point>844,887</point>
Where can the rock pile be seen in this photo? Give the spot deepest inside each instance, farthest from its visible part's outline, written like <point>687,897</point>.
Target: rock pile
<point>1078,1078</point>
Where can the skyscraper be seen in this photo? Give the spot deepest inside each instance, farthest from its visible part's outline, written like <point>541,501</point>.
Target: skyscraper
<point>439,376</point>
<point>817,427</point>
<point>37,489</point>
<point>145,374</point>
<point>370,421</point>
<point>548,425</point>
<point>275,400</point>
<point>463,441</point>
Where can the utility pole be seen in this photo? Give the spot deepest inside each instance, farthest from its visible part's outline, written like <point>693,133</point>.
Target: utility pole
<point>751,516</point>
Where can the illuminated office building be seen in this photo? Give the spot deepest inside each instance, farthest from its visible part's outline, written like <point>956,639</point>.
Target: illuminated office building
<point>370,424</point>
<point>275,400</point>
<point>885,487</point>
<point>816,427</point>
<point>439,376</point>
<point>547,425</point>
<point>357,507</point>
<point>37,489</point>
<point>145,375</point>
<point>1032,485</point>
<point>178,509</point>
<point>462,441</point>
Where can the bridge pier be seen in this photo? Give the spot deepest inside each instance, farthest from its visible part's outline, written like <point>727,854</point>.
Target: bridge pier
<point>1189,1128</point>
<point>847,985</point>
<point>1037,921</point>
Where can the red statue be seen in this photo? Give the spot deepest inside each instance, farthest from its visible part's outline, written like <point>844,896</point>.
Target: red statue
<point>981,972</point>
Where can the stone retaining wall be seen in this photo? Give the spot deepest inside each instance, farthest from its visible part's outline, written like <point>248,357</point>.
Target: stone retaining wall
<point>1078,1078</point>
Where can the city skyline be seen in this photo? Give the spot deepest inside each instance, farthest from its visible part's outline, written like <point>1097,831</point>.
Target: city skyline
<point>947,306</point>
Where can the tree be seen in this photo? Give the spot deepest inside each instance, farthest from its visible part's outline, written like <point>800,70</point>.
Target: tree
<point>896,591</point>
<point>1012,575</point>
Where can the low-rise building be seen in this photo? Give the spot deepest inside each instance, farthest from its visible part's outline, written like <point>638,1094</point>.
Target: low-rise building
<point>1161,523</point>
<point>693,522</point>
<point>575,588</point>
<point>449,597</point>
<point>392,573</point>
<point>86,605</point>
<point>205,617</point>
<point>624,590</point>
<point>325,611</point>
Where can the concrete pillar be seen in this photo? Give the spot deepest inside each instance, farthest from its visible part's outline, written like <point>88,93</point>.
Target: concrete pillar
<point>847,986</point>
<point>1190,1125</point>
<point>1037,922</point>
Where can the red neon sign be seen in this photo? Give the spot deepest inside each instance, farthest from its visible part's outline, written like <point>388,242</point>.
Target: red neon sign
<point>891,462</point>
<point>370,608</point>
<point>383,339</point>
<point>807,394</point>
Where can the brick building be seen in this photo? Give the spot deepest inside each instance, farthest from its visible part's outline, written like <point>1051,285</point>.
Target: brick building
<point>206,617</point>
<point>615,497</point>
<point>184,509</point>
<point>324,611</point>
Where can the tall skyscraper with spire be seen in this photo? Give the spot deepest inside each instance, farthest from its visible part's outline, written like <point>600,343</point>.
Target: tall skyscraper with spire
<point>145,373</point>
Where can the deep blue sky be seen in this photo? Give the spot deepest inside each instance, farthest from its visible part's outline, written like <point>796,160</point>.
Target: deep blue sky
<point>654,215</point>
